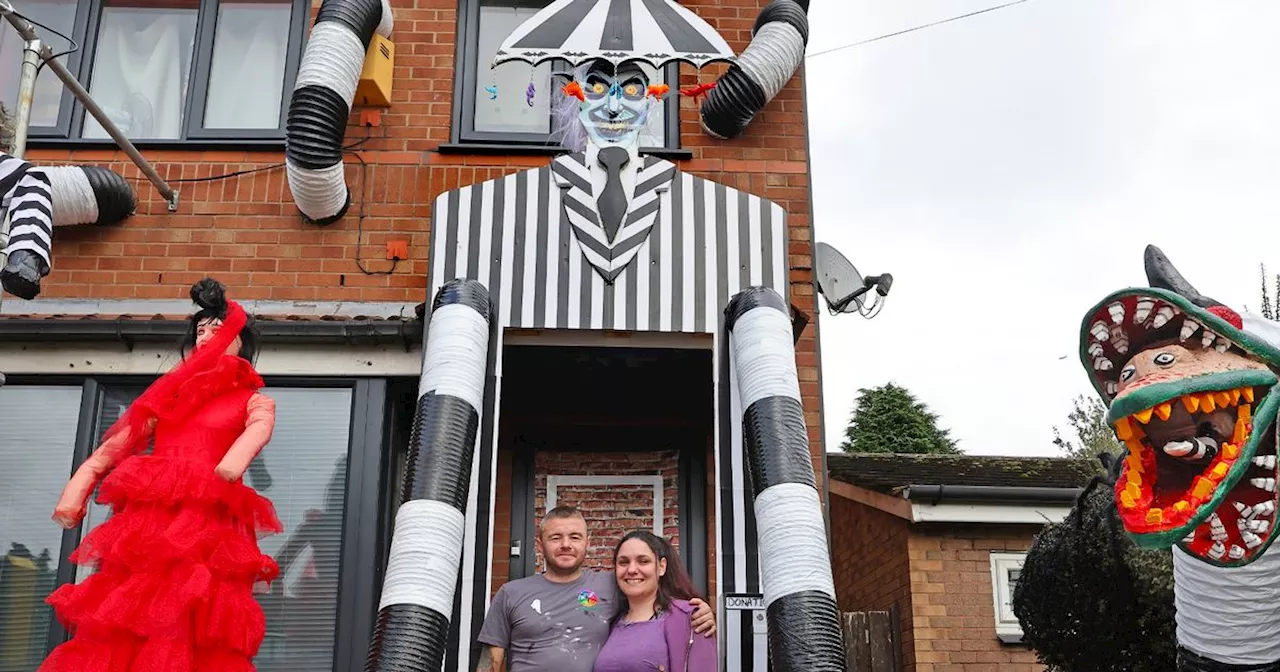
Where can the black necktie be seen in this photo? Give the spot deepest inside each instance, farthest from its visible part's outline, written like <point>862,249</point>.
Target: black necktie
<point>612,202</point>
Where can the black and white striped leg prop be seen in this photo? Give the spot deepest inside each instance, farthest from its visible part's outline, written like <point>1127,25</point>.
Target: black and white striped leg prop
<point>321,103</point>
<point>29,252</point>
<point>776,51</point>
<point>412,629</point>
<point>88,195</point>
<point>795,566</point>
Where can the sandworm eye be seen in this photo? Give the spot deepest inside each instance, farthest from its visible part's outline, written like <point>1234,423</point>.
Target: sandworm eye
<point>1164,359</point>
<point>1127,373</point>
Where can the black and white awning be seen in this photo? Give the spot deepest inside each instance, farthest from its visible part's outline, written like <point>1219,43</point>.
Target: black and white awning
<point>656,32</point>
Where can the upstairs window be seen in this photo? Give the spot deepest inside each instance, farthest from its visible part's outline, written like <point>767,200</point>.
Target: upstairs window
<point>163,70</point>
<point>490,104</point>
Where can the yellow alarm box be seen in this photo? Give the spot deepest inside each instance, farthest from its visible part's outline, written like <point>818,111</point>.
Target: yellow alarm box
<point>374,89</point>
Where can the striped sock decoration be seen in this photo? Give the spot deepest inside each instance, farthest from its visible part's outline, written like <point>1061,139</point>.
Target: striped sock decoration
<point>778,40</point>
<point>29,250</point>
<point>412,629</point>
<point>795,566</point>
<point>321,103</point>
<point>40,198</point>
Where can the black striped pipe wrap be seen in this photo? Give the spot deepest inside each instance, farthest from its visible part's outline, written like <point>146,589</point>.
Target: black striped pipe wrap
<point>738,97</point>
<point>361,16</point>
<point>470,293</point>
<point>440,451</point>
<point>751,298</point>
<point>777,444</point>
<point>404,636</point>
<point>410,637</point>
<point>804,634</point>
<point>784,10</point>
<point>315,127</point>
<point>116,199</point>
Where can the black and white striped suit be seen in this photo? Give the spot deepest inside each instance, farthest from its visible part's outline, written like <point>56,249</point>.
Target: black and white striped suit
<point>687,246</point>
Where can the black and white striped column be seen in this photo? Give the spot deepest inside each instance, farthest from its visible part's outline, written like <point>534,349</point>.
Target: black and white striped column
<point>321,103</point>
<point>778,40</point>
<point>88,195</point>
<point>795,566</point>
<point>412,630</point>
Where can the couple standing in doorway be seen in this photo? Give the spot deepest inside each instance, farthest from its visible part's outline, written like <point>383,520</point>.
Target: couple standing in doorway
<point>643,617</point>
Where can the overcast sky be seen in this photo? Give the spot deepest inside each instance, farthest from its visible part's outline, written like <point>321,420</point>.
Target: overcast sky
<point>1009,169</point>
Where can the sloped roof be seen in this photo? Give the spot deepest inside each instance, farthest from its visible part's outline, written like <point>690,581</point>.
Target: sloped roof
<point>888,473</point>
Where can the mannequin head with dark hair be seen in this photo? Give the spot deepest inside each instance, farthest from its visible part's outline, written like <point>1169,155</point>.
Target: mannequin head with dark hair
<point>211,296</point>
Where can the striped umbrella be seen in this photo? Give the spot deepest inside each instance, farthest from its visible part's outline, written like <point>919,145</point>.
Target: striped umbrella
<point>655,32</point>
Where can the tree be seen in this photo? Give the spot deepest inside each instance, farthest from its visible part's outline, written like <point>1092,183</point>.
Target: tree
<point>1088,419</point>
<point>1089,600</point>
<point>889,419</point>
<point>1270,310</point>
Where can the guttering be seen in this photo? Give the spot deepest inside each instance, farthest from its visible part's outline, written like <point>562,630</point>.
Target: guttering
<point>129,331</point>
<point>321,104</point>
<point>989,494</point>
<point>778,41</point>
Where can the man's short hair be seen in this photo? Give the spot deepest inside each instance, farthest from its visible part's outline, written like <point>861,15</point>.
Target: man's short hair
<point>561,512</point>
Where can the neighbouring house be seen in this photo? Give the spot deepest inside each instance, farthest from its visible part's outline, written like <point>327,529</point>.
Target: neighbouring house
<point>938,541</point>
<point>612,397</point>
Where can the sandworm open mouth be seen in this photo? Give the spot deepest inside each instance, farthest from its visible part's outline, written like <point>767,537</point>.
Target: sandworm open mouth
<point>1195,468</point>
<point>1190,399</point>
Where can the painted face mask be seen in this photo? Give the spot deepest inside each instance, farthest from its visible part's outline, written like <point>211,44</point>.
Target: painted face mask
<point>614,107</point>
<point>1190,396</point>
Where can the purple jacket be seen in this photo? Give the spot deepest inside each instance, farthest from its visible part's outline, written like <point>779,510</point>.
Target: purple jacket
<point>700,656</point>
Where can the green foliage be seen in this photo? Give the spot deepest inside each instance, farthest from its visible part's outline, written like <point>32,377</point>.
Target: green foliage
<point>1089,600</point>
<point>1270,309</point>
<point>889,419</point>
<point>1093,436</point>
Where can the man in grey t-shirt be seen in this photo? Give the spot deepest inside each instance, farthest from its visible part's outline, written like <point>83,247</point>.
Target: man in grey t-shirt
<point>558,621</point>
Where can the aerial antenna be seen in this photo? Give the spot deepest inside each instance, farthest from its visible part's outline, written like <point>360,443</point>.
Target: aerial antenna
<point>844,289</point>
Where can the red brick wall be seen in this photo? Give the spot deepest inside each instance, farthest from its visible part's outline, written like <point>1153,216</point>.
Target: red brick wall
<point>247,232</point>
<point>611,511</point>
<point>871,562</point>
<point>953,611</point>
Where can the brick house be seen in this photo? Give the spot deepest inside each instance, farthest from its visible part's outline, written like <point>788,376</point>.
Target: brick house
<point>342,321</point>
<point>939,541</point>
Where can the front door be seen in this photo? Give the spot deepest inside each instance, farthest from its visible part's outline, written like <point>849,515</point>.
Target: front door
<point>624,435</point>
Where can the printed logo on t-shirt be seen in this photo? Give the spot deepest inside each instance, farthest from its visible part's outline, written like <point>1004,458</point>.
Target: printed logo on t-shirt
<point>587,599</point>
<point>536,605</point>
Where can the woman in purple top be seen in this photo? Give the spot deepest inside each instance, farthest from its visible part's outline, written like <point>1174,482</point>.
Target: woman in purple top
<point>651,632</point>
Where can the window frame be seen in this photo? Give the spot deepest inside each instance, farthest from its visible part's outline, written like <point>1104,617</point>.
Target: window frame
<point>464,138</point>
<point>1008,629</point>
<point>72,115</point>
<point>363,553</point>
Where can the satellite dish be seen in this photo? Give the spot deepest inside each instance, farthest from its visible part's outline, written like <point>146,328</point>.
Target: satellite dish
<point>844,289</point>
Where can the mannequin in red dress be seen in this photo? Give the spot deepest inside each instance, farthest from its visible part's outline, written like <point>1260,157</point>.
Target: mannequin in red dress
<point>176,562</point>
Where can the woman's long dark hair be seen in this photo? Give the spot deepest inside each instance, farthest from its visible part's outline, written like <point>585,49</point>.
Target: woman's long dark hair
<point>211,296</point>
<point>675,584</point>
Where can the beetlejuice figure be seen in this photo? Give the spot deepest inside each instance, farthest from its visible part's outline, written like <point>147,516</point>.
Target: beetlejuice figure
<point>610,192</point>
<point>1189,383</point>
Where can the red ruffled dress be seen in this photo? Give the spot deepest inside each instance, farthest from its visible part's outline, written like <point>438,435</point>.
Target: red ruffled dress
<point>177,560</point>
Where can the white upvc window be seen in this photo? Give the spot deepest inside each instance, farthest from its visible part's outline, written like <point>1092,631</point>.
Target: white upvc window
<point>1005,570</point>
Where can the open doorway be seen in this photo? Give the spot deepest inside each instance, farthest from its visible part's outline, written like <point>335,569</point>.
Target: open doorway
<point>624,434</point>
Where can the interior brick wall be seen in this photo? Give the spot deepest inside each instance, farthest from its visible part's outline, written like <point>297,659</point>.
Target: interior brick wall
<point>953,610</point>
<point>611,511</point>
